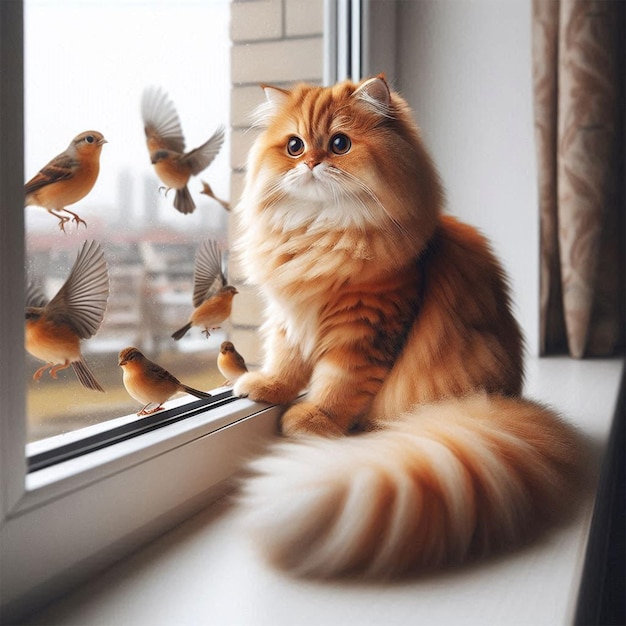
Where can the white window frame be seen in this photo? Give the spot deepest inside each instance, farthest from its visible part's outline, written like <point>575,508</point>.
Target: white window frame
<point>345,40</point>
<point>67,521</point>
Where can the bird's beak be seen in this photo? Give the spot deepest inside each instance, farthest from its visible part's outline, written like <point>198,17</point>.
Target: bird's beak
<point>101,141</point>
<point>122,362</point>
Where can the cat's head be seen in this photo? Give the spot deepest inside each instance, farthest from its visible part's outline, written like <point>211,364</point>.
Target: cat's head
<point>347,156</point>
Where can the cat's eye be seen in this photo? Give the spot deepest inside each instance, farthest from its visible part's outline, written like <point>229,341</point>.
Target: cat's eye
<point>295,146</point>
<point>340,143</point>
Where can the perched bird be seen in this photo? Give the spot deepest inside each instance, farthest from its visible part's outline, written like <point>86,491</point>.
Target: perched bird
<point>207,191</point>
<point>68,178</point>
<point>150,383</point>
<point>230,363</point>
<point>212,297</point>
<point>166,145</point>
<point>54,329</point>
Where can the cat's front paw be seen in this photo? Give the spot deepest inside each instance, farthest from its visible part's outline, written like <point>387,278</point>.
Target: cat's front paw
<point>307,418</point>
<point>262,388</point>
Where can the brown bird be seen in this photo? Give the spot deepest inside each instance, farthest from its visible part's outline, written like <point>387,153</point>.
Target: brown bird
<point>68,178</point>
<point>207,191</point>
<point>54,329</point>
<point>166,145</point>
<point>230,363</point>
<point>212,297</point>
<point>149,383</point>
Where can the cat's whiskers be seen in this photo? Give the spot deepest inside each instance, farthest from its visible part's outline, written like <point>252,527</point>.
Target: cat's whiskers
<point>338,186</point>
<point>339,174</point>
<point>273,195</point>
<point>341,191</point>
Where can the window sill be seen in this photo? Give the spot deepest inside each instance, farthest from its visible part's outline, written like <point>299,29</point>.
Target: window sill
<point>214,577</point>
<point>60,478</point>
<point>81,515</point>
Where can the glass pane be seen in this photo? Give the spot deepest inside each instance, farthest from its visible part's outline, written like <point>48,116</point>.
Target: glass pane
<point>87,64</point>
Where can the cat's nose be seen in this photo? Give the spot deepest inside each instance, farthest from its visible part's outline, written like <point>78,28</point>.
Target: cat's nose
<point>312,161</point>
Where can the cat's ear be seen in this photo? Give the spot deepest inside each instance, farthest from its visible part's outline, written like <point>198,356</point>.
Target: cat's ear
<point>275,97</point>
<point>375,93</point>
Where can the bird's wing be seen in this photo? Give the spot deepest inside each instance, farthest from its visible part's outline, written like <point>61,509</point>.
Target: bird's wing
<point>60,168</point>
<point>34,295</point>
<point>200,158</point>
<point>156,372</point>
<point>82,299</point>
<point>208,276</point>
<point>239,360</point>
<point>161,122</point>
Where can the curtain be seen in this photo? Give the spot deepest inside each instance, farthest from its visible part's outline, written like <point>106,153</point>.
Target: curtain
<point>579,77</point>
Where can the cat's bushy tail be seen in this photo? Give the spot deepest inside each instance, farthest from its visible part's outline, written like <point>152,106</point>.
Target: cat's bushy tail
<point>442,483</point>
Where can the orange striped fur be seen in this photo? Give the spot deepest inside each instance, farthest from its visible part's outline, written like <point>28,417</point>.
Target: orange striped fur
<point>397,319</point>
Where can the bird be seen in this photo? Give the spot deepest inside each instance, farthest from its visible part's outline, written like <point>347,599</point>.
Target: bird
<point>54,329</point>
<point>166,145</point>
<point>149,383</point>
<point>212,297</point>
<point>207,191</point>
<point>230,363</point>
<point>68,178</point>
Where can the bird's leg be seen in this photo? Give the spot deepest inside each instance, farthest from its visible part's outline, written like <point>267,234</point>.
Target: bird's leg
<point>40,372</point>
<point>62,218</point>
<point>57,368</point>
<point>206,332</point>
<point>76,218</point>
<point>167,189</point>
<point>144,411</point>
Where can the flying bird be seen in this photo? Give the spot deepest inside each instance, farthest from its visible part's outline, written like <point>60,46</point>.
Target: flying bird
<point>207,191</point>
<point>230,363</point>
<point>212,297</point>
<point>166,145</point>
<point>149,383</point>
<point>68,178</point>
<point>54,329</point>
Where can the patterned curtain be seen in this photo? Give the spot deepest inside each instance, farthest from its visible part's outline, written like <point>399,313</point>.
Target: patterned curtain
<point>579,78</point>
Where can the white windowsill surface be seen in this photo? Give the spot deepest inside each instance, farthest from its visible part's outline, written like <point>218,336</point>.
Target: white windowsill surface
<point>205,572</point>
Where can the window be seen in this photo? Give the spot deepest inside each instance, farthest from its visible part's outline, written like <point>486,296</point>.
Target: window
<point>65,520</point>
<point>149,246</point>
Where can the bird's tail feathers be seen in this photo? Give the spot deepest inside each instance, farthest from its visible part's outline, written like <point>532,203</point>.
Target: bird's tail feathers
<point>181,332</point>
<point>84,375</point>
<point>183,201</point>
<point>197,392</point>
<point>444,482</point>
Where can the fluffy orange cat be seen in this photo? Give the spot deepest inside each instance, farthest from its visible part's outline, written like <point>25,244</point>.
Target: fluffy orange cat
<point>397,320</point>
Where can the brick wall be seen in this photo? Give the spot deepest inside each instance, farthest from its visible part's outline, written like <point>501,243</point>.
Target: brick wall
<point>277,42</point>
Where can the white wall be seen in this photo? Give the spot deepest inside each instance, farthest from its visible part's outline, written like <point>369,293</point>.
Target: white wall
<point>465,68</point>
